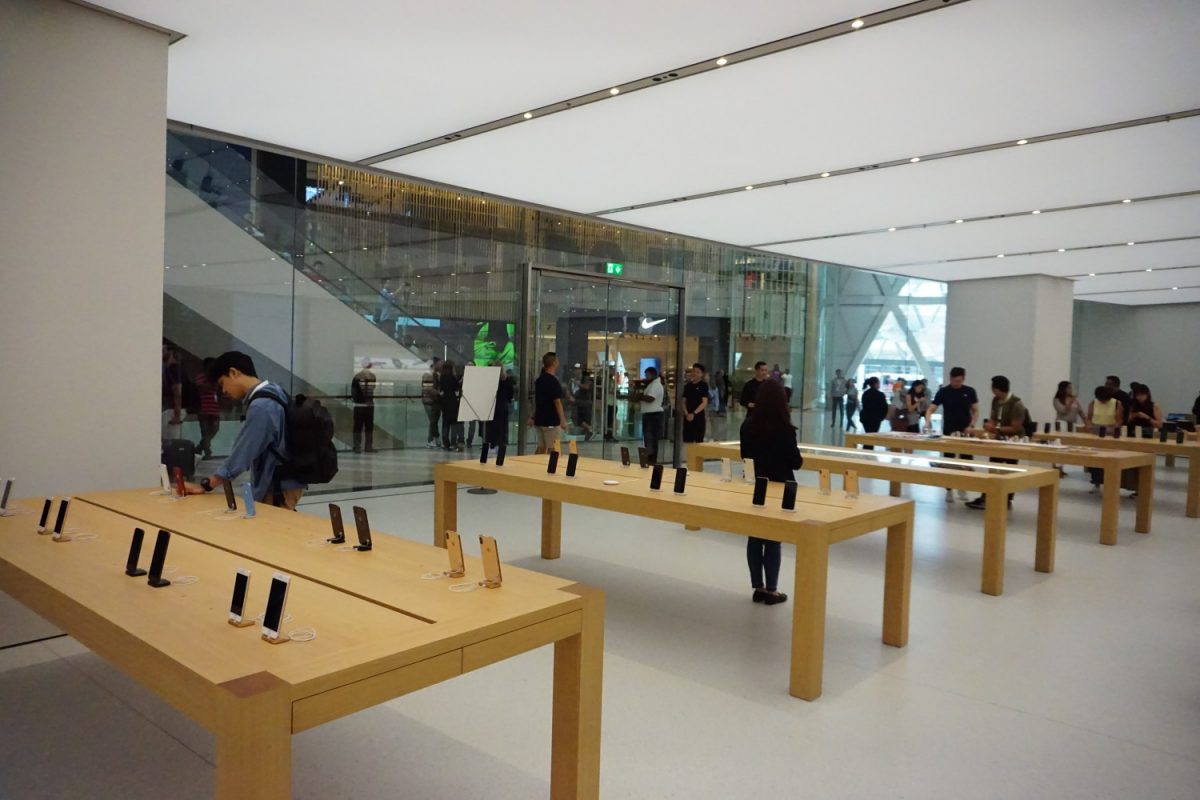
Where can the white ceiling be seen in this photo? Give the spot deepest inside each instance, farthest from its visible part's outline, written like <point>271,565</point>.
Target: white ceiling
<point>358,78</point>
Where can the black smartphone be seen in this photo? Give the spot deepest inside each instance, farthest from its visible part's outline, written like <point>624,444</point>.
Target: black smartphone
<point>760,492</point>
<point>1147,432</point>
<point>241,583</point>
<point>1116,431</point>
<point>572,463</point>
<point>1162,435</point>
<point>1057,425</point>
<point>335,521</point>
<point>364,528</point>
<point>552,464</point>
<point>680,480</point>
<point>1103,431</point>
<point>483,453</point>
<point>643,458</point>
<point>7,491</point>
<point>159,560</point>
<point>62,516</point>
<point>135,552</point>
<point>789,496</point>
<point>1046,428</point>
<point>500,455</point>
<point>1179,438</point>
<point>624,456</point>
<point>45,515</point>
<point>230,500</point>
<point>656,478</point>
<point>1131,430</point>
<point>1070,427</point>
<point>276,600</point>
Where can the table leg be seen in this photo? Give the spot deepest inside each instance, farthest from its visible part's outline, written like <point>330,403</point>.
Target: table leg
<point>1145,499</point>
<point>1047,523</point>
<point>1193,490</point>
<point>1171,462</point>
<point>1110,508</point>
<point>897,582</point>
<point>445,510</point>
<point>578,683</point>
<point>254,739</point>
<point>808,616</point>
<point>695,464</point>
<point>894,488</point>
<point>995,523</point>
<point>551,529</point>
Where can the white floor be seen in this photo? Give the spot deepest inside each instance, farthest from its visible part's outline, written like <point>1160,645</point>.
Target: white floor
<point>1080,684</point>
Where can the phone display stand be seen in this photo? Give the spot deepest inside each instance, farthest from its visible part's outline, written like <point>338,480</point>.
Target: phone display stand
<point>4,512</point>
<point>245,623</point>
<point>158,584</point>
<point>278,640</point>
<point>489,583</point>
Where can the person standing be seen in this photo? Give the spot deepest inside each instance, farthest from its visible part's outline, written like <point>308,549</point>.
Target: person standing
<point>786,379</point>
<point>695,403</point>
<point>496,432</point>
<point>362,395</point>
<point>1066,405</point>
<point>918,404</point>
<point>209,410</point>
<point>851,403</point>
<point>714,392</point>
<point>584,403</point>
<point>610,405</point>
<point>959,405</point>
<point>1007,419</point>
<point>750,387</point>
<point>837,394</point>
<point>449,396</point>
<point>651,399</point>
<point>172,394</point>
<point>548,418</point>
<point>1106,410</point>
<point>769,440</point>
<point>385,313</point>
<point>898,407</point>
<point>874,407</point>
<point>1143,411</point>
<point>1122,396</point>
<point>431,400</point>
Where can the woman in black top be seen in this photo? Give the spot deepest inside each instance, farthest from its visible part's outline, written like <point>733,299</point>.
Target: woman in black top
<point>695,401</point>
<point>451,388</point>
<point>769,439</point>
<point>874,407</point>
<point>497,429</point>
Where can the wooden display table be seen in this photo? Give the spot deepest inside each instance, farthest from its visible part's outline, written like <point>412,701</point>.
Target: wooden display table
<point>1190,449</point>
<point>817,523</point>
<point>994,481</point>
<point>1112,462</point>
<point>252,695</point>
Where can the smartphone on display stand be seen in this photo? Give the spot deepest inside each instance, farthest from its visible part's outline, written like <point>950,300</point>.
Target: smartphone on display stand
<point>1162,435</point>
<point>8,484</point>
<point>1116,431</point>
<point>643,458</point>
<point>1070,427</point>
<point>159,560</point>
<point>789,496</point>
<point>61,519</point>
<point>458,565</point>
<point>681,480</point>
<point>45,518</point>
<point>727,470</point>
<point>135,552</point>
<point>760,492</point>
<point>824,486</point>
<point>230,500</point>
<point>572,464</point>
<point>276,602</point>
<point>335,522</point>
<point>1179,438</point>
<point>241,585</point>
<point>492,577</point>
<point>850,484</point>
<point>748,470</point>
<point>552,464</point>
<point>624,456</point>
<point>573,447</point>
<point>1046,428</point>
<point>364,529</point>
<point>248,499</point>
<point>1103,431</point>
<point>656,478</point>
<point>500,455</point>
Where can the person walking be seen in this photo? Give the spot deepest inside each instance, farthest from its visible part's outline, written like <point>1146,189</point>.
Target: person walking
<point>898,406</point>
<point>837,395</point>
<point>385,312</point>
<point>209,411</point>
<point>651,399</point>
<point>548,418</point>
<point>695,403</point>
<point>959,405</point>
<point>362,395</point>
<point>584,403</point>
<point>750,387</point>
<point>449,396</point>
<point>786,380</point>
<point>851,404</point>
<point>769,440</point>
<point>496,429</point>
<point>431,400</point>
<point>874,407</point>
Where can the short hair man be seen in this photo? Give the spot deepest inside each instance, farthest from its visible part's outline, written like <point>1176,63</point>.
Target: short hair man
<point>261,443</point>
<point>960,409</point>
<point>1114,383</point>
<point>1007,419</point>
<point>548,418</point>
<point>651,398</point>
<point>750,388</point>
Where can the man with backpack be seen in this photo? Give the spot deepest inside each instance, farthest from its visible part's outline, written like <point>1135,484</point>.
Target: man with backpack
<point>285,447</point>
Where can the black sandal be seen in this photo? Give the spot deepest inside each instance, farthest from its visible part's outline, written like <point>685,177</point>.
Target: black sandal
<point>759,596</point>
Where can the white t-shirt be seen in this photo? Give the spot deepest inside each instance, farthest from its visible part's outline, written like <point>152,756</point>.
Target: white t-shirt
<point>652,397</point>
<point>787,380</point>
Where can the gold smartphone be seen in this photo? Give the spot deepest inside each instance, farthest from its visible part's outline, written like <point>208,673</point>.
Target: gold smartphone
<point>573,447</point>
<point>491,562</point>
<point>458,567</point>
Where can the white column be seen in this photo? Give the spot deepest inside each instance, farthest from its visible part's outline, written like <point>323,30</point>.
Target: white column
<point>82,146</point>
<point>1019,327</point>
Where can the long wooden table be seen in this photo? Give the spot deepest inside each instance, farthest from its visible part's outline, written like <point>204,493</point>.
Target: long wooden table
<point>382,633</point>
<point>1190,449</point>
<point>994,481</point>
<point>817,523</point>
<point>1111,462</point>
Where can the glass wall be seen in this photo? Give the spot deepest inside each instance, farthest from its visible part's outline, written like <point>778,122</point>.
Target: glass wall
<point>321,271</point>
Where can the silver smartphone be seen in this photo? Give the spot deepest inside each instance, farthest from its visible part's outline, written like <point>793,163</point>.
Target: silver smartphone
<point>276,601</point>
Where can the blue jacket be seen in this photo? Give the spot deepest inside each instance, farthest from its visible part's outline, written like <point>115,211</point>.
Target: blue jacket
<point>261,444</point>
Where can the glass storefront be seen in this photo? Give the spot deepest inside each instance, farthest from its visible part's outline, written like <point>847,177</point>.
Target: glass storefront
<point>320,271</point>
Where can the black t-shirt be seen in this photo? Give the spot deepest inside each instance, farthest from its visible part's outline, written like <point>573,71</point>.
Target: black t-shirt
<point>956,407</point>
<point>546,389</point>
<point>693,394</point>
<point>750,390</point>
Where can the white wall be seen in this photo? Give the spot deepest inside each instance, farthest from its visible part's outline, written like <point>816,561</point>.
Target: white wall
<point>82,144</point>
<point>1155,345</point>
<point>1019,327</point>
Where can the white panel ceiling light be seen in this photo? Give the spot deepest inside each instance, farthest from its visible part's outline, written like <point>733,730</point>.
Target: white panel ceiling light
<point>358,80</point>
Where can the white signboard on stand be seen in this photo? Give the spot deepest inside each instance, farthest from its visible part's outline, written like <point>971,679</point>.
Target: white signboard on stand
<point>478,393</point>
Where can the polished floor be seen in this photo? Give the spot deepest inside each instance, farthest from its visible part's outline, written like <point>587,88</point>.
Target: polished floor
<point>1080,684</point>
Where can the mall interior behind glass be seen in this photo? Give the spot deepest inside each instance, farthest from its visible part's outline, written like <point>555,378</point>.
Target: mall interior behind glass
<point>366,197</point>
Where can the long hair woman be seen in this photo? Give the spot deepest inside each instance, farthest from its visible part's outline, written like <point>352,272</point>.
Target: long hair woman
<point>769,440</point>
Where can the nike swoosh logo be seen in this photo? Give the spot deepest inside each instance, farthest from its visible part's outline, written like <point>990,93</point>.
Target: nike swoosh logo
<point>648,324</point>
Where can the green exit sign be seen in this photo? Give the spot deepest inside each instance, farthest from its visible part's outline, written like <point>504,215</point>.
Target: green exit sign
<point>613,268</point>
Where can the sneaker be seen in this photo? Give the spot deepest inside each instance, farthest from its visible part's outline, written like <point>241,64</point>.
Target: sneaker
<point>979,503</point>
<point>949,495</point>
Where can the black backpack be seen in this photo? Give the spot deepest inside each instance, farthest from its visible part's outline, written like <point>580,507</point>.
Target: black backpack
<point>312,456</point>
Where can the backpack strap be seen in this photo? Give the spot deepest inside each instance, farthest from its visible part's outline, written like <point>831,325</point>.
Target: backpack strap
<point>284,405</point>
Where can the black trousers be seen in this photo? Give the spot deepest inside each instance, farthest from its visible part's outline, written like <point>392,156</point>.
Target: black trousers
<point>652,426</point>
<point>364,420</point>
<point>764,556</point>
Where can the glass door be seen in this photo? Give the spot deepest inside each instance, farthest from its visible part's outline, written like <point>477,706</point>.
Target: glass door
<point>606,334</point>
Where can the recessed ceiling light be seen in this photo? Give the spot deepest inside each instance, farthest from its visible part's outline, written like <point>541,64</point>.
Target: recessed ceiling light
<point>528,115</point>
<point>1062,249</point>
<point>722,61</point>
<point>958,222</point>
<point>824,174</point>
<point>341,183</point>
<point>748,188</point>
<point>1148,269</point>
<point>1022,141</point>
<point>1126,201</point>
<point>891,229</point>
<point>914,159</point>
<point>1130,244</point>
<point>1091,274</point>
<point>1000,256</point>
<point>858,23</point>
<point>614,90</point>
<point>1174,288</point>
<point>364,248</point>
<point>1036,211</point>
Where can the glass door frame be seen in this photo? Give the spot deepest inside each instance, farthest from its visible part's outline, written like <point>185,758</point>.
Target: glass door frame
<point>529,336</point>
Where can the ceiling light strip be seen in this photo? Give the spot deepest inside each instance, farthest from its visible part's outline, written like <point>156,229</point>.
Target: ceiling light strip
<point>907,161</point>
<point>1139,271</point>
<point>1005,215</point>
<point>992,256</point>
<point>814,36</point>
<point>1134,291</point>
